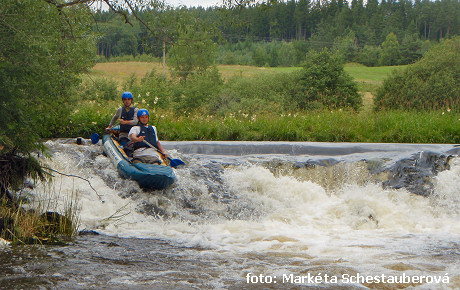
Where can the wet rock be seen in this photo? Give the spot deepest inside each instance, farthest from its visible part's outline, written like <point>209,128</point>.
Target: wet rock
<point>415,173</point>
<point>87,232</point>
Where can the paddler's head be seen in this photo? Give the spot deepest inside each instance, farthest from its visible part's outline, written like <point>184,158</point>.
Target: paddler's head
<point>143,116</point>
<point>127,98</point>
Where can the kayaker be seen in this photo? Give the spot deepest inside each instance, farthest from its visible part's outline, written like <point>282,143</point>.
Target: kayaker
<point>125,115</point>
<point>143,151</point>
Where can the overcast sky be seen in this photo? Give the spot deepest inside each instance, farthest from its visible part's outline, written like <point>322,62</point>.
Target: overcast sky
<point>194,3</point>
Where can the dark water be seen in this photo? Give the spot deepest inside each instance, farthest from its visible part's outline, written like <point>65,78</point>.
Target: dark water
<point>254,215</point>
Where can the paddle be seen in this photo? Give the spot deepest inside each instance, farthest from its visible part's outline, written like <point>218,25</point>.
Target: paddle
<point>172,162</point>
<point>95,138</point>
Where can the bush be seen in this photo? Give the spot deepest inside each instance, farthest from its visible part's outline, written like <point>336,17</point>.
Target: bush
<point>266,93</point>
<point>99,89</point>
<point>323,82</point>
<point>153,90</point>
<point>432,83</point>
<point>198,89</point>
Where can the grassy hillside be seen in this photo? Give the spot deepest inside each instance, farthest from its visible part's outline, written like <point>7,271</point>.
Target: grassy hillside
<point>369,78</point>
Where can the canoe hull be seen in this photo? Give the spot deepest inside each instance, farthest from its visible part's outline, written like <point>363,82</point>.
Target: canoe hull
<point>148,176</point>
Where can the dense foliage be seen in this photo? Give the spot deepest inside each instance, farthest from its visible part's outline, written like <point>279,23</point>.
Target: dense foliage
<point>43,51</point>
<point>431,83</point>
<point>324,83</point>
<point>280,34</point>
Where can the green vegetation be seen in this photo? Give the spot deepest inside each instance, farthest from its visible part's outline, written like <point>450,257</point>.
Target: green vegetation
<point>323,82</point>
<point>253,104</point>
<point>281,33</point>
<point>43,51</point>
<point>431,83</point>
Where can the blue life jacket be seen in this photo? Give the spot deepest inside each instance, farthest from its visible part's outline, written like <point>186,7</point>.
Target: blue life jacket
<point>150,137</point>
<point>125,115</point>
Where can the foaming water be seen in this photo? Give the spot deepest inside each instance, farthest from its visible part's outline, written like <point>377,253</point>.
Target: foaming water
<point>265,214</point>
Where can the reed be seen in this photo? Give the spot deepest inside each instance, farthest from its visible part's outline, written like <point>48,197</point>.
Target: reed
<point>37,221</point>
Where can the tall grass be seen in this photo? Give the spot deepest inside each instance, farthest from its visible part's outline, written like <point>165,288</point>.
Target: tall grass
<point>318,126</point>
<point>45,217</point>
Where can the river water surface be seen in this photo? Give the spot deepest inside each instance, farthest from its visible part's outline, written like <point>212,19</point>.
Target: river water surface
<point>275,215</point>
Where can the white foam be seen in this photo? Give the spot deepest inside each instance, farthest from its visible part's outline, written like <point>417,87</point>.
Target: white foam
<point>363,225</point>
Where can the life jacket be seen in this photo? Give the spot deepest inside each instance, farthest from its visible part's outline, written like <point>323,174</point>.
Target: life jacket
<point>125,115</point>
<point>150,137</point>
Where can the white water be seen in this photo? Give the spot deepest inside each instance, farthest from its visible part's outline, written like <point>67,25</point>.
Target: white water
<point>353,227</point>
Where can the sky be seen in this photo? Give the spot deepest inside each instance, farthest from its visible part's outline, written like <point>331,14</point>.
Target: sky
<point>176,3</point>
<point>194,3</point>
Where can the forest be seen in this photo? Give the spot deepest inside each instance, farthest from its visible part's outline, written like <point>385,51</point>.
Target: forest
<point>280,33</point>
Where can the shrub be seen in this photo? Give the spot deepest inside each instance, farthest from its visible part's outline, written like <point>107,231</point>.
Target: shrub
<point>370,55</point>
<point>266,93</point>
<point>99,89</point>
<point>431,83</point>
<point>198,89</point>
<point>323,82</point>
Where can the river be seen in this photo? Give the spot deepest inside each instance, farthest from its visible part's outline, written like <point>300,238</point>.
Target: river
<point>250,215</point>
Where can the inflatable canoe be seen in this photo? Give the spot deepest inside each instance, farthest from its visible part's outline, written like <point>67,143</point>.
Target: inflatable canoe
<point>149,176</point>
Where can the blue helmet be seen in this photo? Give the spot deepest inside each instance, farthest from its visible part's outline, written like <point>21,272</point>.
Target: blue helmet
<point>142,112</point>
<point>127,95</point>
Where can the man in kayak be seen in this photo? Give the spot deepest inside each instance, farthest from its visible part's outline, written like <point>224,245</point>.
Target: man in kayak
<point>145,139</point>
<point>126,117</point>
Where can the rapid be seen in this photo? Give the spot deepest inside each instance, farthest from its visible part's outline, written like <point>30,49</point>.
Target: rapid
<point>273,215</point>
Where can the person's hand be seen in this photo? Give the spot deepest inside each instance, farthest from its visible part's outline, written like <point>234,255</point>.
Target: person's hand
<point>140,138</point>
<point>107,129</point>
<point>124,122</point>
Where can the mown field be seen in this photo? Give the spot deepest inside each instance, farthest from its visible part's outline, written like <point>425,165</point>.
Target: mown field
<point>366,125</point>
<point>120,71</point>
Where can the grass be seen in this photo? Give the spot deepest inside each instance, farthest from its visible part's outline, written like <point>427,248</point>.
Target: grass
<point>121,71</point>
<point>368,78</point>
<point>318,126</point>
<point>22,226</point>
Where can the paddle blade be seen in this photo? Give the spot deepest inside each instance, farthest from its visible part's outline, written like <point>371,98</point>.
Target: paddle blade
<point>176,162</point>
<point>95,138</point>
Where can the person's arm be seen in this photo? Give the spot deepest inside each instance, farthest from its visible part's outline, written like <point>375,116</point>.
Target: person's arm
<point>161,149</point>
<point>132,135</point>
<point>114,119</point>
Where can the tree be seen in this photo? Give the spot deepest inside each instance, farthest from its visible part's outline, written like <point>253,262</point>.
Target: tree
<point>43,50</point>
<point>370,55</point>
<point>390,50</point>
<point>346,47</point>
<point>410,49</point>
<point>194,51</point>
